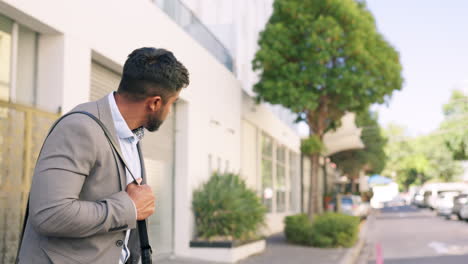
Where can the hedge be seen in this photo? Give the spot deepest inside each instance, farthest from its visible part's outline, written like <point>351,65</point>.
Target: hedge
<point>327,231</point>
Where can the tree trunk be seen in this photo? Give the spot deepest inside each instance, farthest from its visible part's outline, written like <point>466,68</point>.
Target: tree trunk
<point>354,180</point>
<point>353,186</point>
<point>325,185</point>
<point>313,199</point>
<point>317,123</point>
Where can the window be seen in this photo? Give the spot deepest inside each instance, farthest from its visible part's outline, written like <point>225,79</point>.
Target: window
<point>281,188</point>
<point>25,90</point>
<point>267,172</point>
<point>293,180</point>
<point>6,26</point>
<point>280,169</point>
<point>18,55</point>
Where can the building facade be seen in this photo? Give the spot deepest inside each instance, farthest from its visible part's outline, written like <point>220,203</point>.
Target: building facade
<point>270,141</point>
<point>57,54</point>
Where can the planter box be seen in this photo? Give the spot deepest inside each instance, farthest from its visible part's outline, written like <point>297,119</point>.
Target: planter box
<point>225,251</point>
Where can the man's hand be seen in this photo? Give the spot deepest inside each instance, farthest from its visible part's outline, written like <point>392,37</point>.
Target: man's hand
<point>143,198</point>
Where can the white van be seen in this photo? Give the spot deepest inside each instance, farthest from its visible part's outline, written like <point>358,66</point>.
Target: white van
<point>432,190</point>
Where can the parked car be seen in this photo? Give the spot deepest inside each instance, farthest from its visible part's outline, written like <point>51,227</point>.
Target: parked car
<point>399,200</point>
<point>464,212</point>
<point>431,191</point>
<point>444,203</point>
<point>418,199</point>
<point>458,202</point>
<point>412,192</point>
<point>353,205</point>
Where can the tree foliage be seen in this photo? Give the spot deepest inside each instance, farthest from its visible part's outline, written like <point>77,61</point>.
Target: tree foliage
<point>432,157</point>
<point>321,59</point>
<point>455,125</point>
<point>324,55</point>
<point>312,145</point>
<point>414,161</point>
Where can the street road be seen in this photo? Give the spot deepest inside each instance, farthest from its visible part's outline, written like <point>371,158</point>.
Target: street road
<point>407,235</point>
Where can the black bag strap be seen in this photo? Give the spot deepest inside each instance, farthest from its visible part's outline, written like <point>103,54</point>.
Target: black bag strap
<point>146,249</point>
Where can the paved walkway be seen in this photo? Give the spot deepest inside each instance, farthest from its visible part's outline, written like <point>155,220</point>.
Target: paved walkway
<point>279,252</point>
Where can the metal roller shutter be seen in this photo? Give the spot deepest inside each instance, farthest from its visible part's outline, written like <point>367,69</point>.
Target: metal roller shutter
<point>103,81</point>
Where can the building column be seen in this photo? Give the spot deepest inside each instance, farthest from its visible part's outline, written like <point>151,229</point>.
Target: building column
<point>183,216</point>
<point>63,72</point>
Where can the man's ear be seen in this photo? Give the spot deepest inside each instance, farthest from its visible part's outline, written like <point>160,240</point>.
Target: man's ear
<point>154,103</point>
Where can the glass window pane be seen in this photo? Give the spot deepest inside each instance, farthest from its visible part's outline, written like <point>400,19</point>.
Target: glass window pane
<point>267,179</point>
<point>280,201</point>
<point>306,170</point>
<point>26,65</point>
<point>267,146</point>
<point>267,200</point>
<point>280,154</point>
<point>5,57</point>
<point>294,168</point>
<point>292,202</point>
<point>267,183</point>
<point>280,176</point>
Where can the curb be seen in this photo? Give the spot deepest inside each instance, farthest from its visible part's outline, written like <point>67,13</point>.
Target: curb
<point>352,254</point>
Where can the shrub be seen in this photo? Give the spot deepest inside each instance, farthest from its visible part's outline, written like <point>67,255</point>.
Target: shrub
<point>298,229</point>
<point>335,230</point>
<point>327,230</point>
<point>225,209</point>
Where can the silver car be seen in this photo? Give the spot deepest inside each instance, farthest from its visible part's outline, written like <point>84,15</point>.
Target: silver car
<point>353,205</point>
<point>458,202</point>
<point>444,203</point>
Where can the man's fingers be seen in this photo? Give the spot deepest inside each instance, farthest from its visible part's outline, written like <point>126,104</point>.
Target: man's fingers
<point>139,180</point>
<point>131,185</point>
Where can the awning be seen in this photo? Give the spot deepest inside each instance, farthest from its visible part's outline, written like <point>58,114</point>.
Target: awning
<point>346,137</point>
<point>378,179</point>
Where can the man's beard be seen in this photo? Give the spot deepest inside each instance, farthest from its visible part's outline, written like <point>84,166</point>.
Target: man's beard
<point>153,123</point>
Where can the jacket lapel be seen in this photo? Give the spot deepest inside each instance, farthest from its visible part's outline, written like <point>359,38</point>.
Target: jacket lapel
<point>105,116</point>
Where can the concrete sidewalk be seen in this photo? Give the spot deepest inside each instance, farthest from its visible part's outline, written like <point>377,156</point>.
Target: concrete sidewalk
<point>280,252</point>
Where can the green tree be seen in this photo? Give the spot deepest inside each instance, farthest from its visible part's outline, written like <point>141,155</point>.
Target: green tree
<point>414,161</point>
<point>455,125</point>
<point>372,158</point>
<point>321,59</point>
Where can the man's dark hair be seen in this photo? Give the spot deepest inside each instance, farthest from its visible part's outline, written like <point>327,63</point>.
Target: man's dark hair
<point>152,72</point>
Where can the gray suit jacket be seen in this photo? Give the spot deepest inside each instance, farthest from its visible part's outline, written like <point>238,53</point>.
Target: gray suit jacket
<point>79,210</point>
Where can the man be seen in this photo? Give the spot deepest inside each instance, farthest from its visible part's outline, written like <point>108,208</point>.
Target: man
<point>84,203</point>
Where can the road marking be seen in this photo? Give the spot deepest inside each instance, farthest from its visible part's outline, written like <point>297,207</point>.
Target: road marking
<point>440,248</point>
<point>443,248</point>
<point>379,255</point>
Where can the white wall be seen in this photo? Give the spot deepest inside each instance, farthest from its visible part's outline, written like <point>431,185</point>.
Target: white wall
<point>72,32</point>
<point>237,24</point>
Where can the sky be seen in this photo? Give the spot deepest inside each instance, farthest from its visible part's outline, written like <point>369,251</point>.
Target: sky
<point>432,39</point>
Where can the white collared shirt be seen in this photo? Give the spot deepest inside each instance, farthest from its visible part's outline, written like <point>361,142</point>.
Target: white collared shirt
<point>128,144</point>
